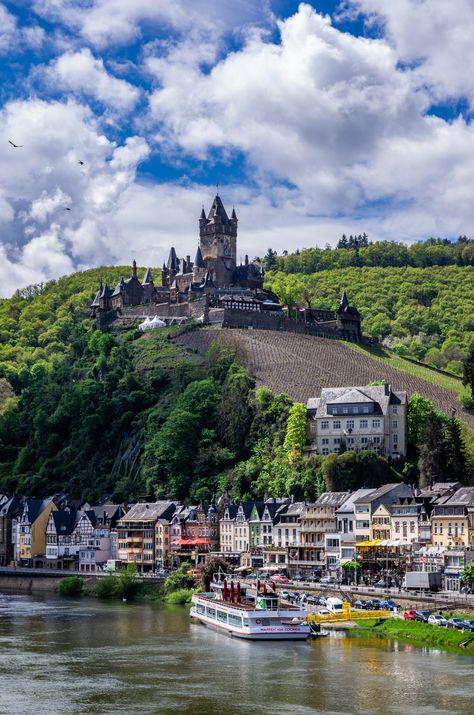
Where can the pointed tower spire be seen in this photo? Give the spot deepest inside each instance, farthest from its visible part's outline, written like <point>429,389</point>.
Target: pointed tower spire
<point>344,302</point>
<point>199,261</point>
<point>134,268</point>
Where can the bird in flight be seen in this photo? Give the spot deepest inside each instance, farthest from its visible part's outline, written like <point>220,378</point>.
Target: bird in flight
<point>15,146</point>
<point>80,162</point>
<point>66,208</point>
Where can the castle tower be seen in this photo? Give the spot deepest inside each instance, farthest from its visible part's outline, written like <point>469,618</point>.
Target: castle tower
<point>199,267</point>
<point>218,242</point>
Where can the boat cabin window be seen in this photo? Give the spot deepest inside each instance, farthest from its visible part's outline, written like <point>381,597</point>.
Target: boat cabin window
<point>222,616</point>
<point>245,622</point>
<point>235,620</point>
<point>200,608</point>
<point>211,612</point>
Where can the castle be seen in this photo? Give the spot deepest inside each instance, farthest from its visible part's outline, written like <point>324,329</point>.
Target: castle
<point>213,271</point>
<point>214,280</point>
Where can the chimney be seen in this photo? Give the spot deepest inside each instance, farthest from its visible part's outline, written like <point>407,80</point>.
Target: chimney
<point>246,260</point>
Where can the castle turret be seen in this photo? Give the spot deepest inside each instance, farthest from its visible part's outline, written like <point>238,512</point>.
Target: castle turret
<point>218,242</point>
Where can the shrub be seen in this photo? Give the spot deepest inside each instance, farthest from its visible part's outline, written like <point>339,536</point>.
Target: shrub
<point>71,586</point>
<point>177,581</point>
<point>181,596</point>
<point>106,587</point>
<point>128,584</point>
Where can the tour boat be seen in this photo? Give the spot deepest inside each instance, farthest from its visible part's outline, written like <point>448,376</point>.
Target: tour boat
<point>254,613</point>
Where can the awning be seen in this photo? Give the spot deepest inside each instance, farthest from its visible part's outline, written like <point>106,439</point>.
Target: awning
<point>395,542</point>
<point>273,567</point>
<point>374,542</point>
<point>243,568</point>
<point>191,542</point>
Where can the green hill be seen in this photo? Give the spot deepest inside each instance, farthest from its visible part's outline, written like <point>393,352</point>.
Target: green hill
<point>129,414</point>
<point>424,313</point>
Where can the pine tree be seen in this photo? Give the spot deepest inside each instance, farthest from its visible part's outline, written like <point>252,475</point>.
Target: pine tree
<point>455,454</point>
<point>431,461</point>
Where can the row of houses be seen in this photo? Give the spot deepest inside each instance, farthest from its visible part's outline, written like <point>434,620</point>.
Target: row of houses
<point>388,529</point>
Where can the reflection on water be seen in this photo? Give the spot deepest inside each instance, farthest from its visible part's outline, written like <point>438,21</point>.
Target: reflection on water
<point>86,657</point>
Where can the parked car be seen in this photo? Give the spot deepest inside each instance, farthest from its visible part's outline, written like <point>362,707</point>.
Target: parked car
<point>361,605</point>
<point>279,578</point>
<point>327,579</point>
<point>285,595</point>
<point>312,600</point>
<point>437,620</point>
<point>373,604</point>
<point>323,611</point>
<point>390,605</point>
<point>409,615</point>
<point>322,600</point>
<point>470,622</point>
<point>422,616</point>
<point>459,623</point>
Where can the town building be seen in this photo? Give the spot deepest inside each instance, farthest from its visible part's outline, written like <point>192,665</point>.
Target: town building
<point>67,533</point>
<point>352,419</point>
<point>10,510</point>
<point>318,521</point>
<point>451,522</point>
<point>136,533</point>
<point>365,506</point>
<point>31,531</point>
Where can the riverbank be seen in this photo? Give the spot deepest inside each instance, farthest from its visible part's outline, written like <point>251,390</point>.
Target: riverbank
<point>420,634</point>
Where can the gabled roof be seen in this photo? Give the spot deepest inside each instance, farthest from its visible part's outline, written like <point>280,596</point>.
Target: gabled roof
<point>232,510</point>
<point>348,504</point>
<point>65,521</point>
<point>207,281</point>
<point>35,507</point>
<point>382,491</point>
<point>353,395</point>
<point>464,497</point>
<point>12,507</point>
<point>382,395</point>
<point>149,510</point>
<point>333,499</point>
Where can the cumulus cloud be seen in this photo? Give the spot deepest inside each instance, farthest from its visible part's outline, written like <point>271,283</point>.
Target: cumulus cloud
<point>44,176</point>
<point>82,73</point>
<point>435,37</point>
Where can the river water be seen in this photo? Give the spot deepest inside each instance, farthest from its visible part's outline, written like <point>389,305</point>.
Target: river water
<point>67,656</point>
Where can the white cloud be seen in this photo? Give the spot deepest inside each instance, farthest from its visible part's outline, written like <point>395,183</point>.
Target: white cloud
<point>82,73</point>
<point>104,22</point>
<point>47,204</point>
<point>41,178</point>
<point>436,36</point>
<point>8,29</point>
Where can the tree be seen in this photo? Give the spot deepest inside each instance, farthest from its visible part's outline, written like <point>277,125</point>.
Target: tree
<point>455,453</point>
<point>295,438</point>
<point>431,461</point>
<point>468,576</point>
<point>419,408</point>
<point>468,371</point>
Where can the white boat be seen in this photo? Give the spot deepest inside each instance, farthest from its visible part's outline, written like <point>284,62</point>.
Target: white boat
<point>252,613</point>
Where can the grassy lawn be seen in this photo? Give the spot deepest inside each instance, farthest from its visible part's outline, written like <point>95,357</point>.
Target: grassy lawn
<point>453,384</point>
<point>420,634</point>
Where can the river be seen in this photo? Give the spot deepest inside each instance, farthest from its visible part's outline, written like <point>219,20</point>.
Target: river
<point>67,656</point>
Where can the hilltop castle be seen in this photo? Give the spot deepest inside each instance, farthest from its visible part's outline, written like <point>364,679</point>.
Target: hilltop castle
<point>213,271</point>
<point>214,280</point>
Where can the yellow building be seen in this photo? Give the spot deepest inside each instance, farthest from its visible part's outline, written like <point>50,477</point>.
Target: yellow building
<point>162,543</point>
<point>450,526</point>
<point>31,538</point>
<point>381,527</point>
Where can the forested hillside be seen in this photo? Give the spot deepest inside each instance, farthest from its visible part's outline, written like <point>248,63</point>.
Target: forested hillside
<point>425,313</point>
<point>129,415</point>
